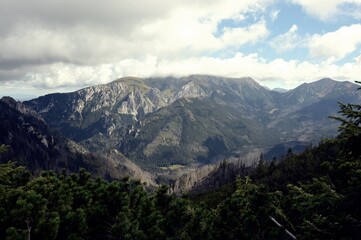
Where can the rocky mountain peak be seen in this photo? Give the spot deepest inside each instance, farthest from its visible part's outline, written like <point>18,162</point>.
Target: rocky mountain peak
<point>191,90</point>
<point>12,103</point>
<point>325,88</point>
<point>191,120</point>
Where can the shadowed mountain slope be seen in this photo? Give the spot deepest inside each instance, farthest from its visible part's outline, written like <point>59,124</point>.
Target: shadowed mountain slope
<point>33,144</point>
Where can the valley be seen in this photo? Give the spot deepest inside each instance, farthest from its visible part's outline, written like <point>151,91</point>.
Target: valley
<point>171,126</point>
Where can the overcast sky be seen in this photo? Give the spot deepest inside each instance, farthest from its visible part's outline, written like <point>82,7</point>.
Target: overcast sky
<point>62,45</point>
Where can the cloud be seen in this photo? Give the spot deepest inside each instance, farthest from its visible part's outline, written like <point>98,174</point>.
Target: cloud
<point>288,74</point>
<point>335,45</point>
<point>240,36</point>
<point>68,44</point>
<point>327,9</point>
<point>38,33</point>
<point>274,15</point>
<point>287,41</point>
<point>329,46</point>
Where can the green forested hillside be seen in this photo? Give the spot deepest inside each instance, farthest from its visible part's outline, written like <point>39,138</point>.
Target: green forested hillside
<point>314,195</point>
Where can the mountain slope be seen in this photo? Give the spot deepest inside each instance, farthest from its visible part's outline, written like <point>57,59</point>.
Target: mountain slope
<point>30,141</point>
<point>161,122</point>
<point>303,112</point>
<point>192,131</point>
<point>32,144</point>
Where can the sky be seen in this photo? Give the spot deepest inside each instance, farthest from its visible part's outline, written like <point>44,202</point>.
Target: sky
<point>62,45</point>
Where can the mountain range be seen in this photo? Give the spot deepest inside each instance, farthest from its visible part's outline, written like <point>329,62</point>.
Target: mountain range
<point>161,122</point>
<point>170,125</point>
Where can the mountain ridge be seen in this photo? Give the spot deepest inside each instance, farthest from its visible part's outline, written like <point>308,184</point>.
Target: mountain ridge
<point>160,122</point>
<point>30,142</point>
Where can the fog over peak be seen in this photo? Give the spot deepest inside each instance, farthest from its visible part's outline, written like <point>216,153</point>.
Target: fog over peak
<point>62,45</point>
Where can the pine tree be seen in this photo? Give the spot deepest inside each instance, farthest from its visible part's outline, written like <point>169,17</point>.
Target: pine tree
<point>350,129</point>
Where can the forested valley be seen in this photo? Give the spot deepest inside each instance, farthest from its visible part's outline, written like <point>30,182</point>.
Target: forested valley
<point>312,195</point>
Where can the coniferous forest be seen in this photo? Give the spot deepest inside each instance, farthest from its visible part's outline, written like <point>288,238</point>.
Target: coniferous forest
<point>313,195</point>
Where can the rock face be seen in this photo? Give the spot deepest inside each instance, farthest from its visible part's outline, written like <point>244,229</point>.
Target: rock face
<point>31,143</point>
<point>195,120</point>
<point>30,140</point>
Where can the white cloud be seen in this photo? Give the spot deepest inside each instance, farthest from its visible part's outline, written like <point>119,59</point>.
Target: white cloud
<point>81,32</point>
<point>274,15</point>
<point>293,29</point>
<point>327,9</point>
<point>287,74</point>
<point>335,45</point>
<point>330,46</point>
<point>67,44</point>
<point>287,41</point>
<point>239,36</point>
